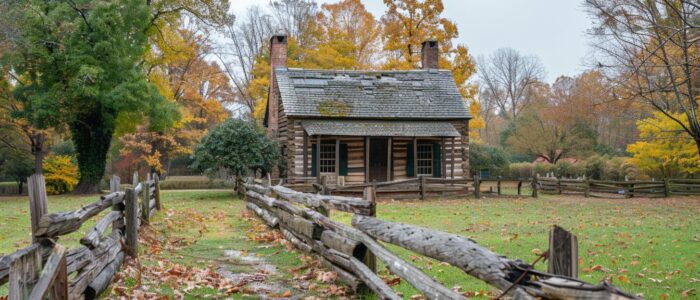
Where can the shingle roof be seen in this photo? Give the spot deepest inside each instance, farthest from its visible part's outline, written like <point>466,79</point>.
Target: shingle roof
<point>379,128</point>
<point>417,94</point>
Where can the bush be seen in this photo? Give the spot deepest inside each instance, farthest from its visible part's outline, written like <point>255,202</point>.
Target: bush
<point>610,168</point>
<point>61,174</point>
<point>485,157</point>
<point>236,147</point>
<point>520,170</point>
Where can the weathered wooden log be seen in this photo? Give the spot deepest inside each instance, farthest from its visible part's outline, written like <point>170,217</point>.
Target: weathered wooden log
<point>424,283</point>
<point>477,261</point>
<point>131,217</point>
<point>343,245</point>
<point>61,223</point>
<point>53,279</point>
<point>355,284</point>
<point>346,204</point>
<point>104,277</point>
<point>5,261</point>
<point>563,253</point>
<point>373,281</point>
<point>152,203</point>
<point>92,238</point>
<point>260,199</point>
<point>102,256</point>
<point>301,226</point>
<point>269,219</point>
<point>24,271</point>
<point>258,189</point>
<point>296,241</point>
<point>77,258</point>
<point>156,181</point>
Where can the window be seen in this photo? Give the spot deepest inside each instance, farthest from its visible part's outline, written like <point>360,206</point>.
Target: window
<point>425,160</point>
<point>327,157</point>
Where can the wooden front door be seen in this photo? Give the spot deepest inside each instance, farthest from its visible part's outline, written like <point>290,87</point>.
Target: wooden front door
<point>378,163</point>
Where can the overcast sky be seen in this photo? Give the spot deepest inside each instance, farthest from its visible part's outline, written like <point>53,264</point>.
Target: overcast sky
<point>553,30</point>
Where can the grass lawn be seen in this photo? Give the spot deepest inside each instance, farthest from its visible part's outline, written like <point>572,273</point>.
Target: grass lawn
<point>648,246</point>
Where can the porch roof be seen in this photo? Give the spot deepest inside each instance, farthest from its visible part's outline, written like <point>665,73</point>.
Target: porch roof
<point>380,128</point>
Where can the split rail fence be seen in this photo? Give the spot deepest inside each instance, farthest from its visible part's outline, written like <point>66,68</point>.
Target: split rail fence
<point>423,187</point>
<point>351,251</point>
<point>46,269</point>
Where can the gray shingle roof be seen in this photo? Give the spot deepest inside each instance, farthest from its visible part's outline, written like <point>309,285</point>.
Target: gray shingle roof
<point>416,94</point>
<point>380,128</point>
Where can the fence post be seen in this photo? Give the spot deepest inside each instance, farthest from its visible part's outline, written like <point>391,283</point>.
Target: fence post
<point>520,187</point>
<point>559,185</point>
<point>370,194</point>
<point>324,187</point>
<point>477,186</point>
<point>135,179</point>
<point>114,184</point>
<point>667,187</point>
<point>534,186</point>
<point>422,187</point>
<point>156,182</point>
<point>132,222</point>
<point>37,201</point>
<point>563,253</point>
<point>24,272</point>
<point>145,199</point>
<point>498,185</point>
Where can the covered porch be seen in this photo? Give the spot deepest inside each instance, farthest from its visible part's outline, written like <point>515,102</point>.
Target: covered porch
<point>361,151</point>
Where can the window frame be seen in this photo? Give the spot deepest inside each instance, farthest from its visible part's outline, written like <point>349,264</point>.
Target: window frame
<point>327,157</point>
<point>424,159</point>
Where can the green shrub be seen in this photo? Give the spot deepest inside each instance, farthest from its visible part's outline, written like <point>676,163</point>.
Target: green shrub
<point>521,170</point>
<point>485,157</point>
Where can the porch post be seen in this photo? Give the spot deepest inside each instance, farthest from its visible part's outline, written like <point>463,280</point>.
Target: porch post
<point>367,159</point>
<point>415,156</point>
<point>306,154</point>
<point>443,158</point>
<point>452,158</point>
<point>318,158</point>
<point>337,159</point>
<point>389,164</point>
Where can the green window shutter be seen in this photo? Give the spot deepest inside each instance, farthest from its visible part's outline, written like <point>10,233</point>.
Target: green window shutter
<point>313,159</point>
<point>437,160</point>
<point>410,168</point>
<point>343,160</point>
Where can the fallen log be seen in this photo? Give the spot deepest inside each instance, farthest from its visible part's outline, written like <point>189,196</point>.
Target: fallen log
<point>61,223</point>
<point>92,238</point>
<point>424,283</point>
<point>479,262</point>
<point>271,220</point>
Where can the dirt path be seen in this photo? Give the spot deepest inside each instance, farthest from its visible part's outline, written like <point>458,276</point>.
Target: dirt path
<point>206,245</point>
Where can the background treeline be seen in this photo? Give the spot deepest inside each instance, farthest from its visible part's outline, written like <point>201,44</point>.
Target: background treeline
<point>633,114</point>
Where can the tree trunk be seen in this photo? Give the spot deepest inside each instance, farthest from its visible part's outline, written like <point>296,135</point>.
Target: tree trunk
<point>92,135</point>
<point>38,142</point>
<point>20,184</point>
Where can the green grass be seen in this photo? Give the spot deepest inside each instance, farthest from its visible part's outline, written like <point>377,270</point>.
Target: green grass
<point>648,246</point>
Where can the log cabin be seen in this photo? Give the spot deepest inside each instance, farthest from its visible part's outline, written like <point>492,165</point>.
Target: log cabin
<point>357,127</point>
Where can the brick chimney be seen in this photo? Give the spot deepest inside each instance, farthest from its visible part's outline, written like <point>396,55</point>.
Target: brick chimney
<point>278,58</point>
<point>429,55</point>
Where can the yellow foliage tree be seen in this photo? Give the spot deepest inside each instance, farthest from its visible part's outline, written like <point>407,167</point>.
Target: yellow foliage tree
<point>665,149</point>
<point>61,174</point>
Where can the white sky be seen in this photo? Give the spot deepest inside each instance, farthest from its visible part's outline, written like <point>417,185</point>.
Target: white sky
<point>553,30</point>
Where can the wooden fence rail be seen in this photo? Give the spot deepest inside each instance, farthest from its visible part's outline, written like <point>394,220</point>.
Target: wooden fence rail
<point>346,249</point>
<point>422,187</point>
<point>47,269</point>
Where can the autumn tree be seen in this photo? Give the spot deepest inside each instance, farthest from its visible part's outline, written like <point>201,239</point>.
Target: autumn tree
<point>349,21</point>
<point>650,49</point>
<point>664,148</point>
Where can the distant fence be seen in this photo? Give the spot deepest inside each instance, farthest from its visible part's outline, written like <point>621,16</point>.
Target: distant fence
<point>45,268</point>
<point>423,187</point>
<point>352,251</point>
